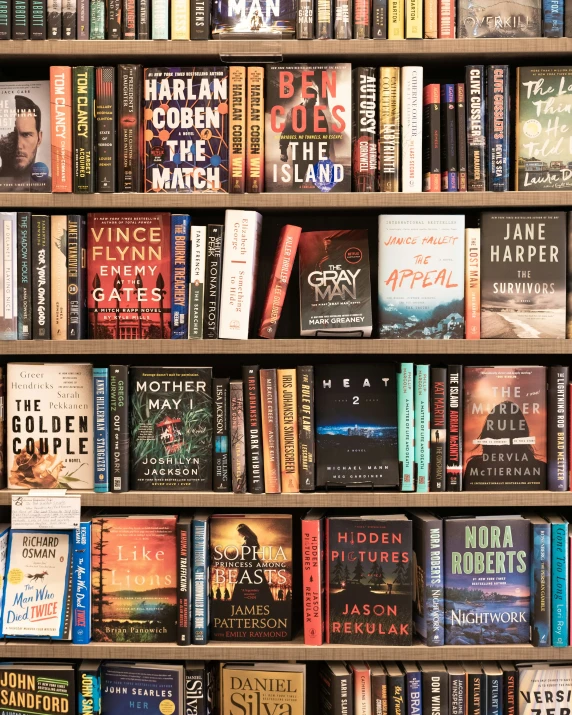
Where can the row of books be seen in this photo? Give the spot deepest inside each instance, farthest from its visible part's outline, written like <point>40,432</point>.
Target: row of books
<point>366,580</point>
<point>283,129</point>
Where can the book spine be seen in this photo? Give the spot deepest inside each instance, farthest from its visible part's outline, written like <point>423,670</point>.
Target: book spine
<point>362,20</point>
<point>180,228</point>
<point>41,278</point>
<point>143,11</point>
<point>237,451</point>
<point>83,19</point>
<point>343,19</point>
<point>270,430</point>
<point>306,441</point>
<point>83,122</point>
<point>446,10</point>
<point>414,692</point>
<point>431,19</point>
<point>5,19</point>
<point>364,120</point>
<point>81,584</point>
<point>9,275</point>
<point>305,20</point>
<point>184,589</point>
<point>412,128</point>
<point>253,429</point>
<point>213,280</point>
<point>288,421</point>
<point>69,19</point>
<point>89,689</point>
<point>422,422</point>
<point>435,689</point>
<point>20,20</point>
<point>461,135</point>
<point>73,278</point>
<point>389,128</point>
<point>54,19</point>
<point>61,125</point>
<point>438,450</point>
<point>510,689</point>
<point>540,592</point>
<point>396,694</point>
<point>379,19</point>
<point>458,694</point>
<point>105,128</point>
<point>476,139</point>
<point>413,19</point>
<point>312,581</point>
<point>200,580</point>
<point>180,19</point>
<point>129,20</point>
<point>450,179</point>
<point>434,573</point>
<point>324,20</point>
<point>59,277</point>
<point>197,281</point>
<point>454,428</point>
<point>255,131</point>
<point>119,428</point>
<point>558,428</point>
<point>472,284</point>
<point>38,20</point>
<point>160,19</point>
<point>279,279</point>
<point>560,586</point>
<point>237,128</point>
<point>24,276</point>
<point>498,127</point>
<point>432,150</point>
<point>553,17</point>
<point>113,19</point>
<point>475,695</point>
<point>130,83</point>
<point>405,428</point>
<point>97,20</point>
<point>200,19</point>
<point>101,431</point>
<point>221,471</point>
<point>395,21</point>
<point>494,693</point>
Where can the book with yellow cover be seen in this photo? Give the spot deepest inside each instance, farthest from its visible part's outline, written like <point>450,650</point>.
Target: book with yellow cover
<point>237,128</point>
<point>261,688</point>
<point>389,128</point>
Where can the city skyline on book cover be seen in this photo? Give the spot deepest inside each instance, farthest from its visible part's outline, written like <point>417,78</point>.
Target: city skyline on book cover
<point>134,579</point>
<point>251,577</point>
<point>356,425</point>
<point>487,581</point>
<point>186,129</point>
<point>504,428</point>
<point>369,586</point>
<point>523,275</point>
<point>171,413</point>
<point>254,18</point>
<point>543,151</point>
<point>421,276</point>
<point>129,275</point>
<point>335,286</point>
<point>308,128</point>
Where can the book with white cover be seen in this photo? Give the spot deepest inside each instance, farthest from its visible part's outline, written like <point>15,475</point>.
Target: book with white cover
<point>411,129</point>
<point>8,278</point>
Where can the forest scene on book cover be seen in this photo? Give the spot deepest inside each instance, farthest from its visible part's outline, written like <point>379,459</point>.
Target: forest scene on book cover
<point>504,428</point>
<point>308,128</point>
<point>370,581</point>
<point>255,17</point>
<point>356,425</point>
<point>186,129</point>
<point>251,577</point>
<point>506,19</point>
<point>523,275</point>
<point>134,579</point>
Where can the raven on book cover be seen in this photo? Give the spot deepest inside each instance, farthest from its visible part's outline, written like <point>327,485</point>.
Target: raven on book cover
<point>369,580</point>
<point>356,425</point>
<point>255,18</point>
<point>504,428</point>
<point>308,133</point>
<point>543,149</point>
<point>251,577</point>
<point>48,688</point>
<point>50,442</point>
<point>421,276</point>
<point>151,688</point>
<point>523,275</point>
<point>505,19</point>
<point>544,688</point>
<point>129,275</point>
<point>171,428</point>
<point>487,581</point>
<point>186,129</point>
<point>335,286</point>
<point>25,137</point>
<point>134,579</point>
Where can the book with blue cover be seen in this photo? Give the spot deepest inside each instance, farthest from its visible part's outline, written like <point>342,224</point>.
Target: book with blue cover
<point>428,605</point>
<point>405,427</point>
<point>152,688</point>
<point>101,422</point>
<point>180,250</point>
<point>422,430</point>
<point>200,580</point>
<point>560,560</point>
<point>4,538</point>
<point>413,690</point>
<point>89,687</point>
<point>81,582</point>
<point>541,581</point>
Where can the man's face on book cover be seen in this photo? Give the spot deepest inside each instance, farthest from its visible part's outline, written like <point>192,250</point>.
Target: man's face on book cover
<point>28,139</point>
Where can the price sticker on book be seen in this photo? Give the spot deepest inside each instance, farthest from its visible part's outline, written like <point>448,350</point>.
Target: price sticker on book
<point>45,510</point>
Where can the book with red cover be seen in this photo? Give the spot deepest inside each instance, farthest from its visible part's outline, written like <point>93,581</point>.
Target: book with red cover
<point>313,576</point>
<point>129,275</point>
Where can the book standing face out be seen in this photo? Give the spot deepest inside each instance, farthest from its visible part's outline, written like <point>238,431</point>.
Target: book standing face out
<point>254,18</point>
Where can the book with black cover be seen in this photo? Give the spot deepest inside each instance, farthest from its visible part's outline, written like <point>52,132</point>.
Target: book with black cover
<point>253,429</point>
<point>256,19</point>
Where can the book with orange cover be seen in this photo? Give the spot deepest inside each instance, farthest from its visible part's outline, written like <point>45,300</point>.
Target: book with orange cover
<point>288,421</point>
<point>472,283</point>
<point>313,576</point>
<point>237,128</point>
<point>61,128</point>
<point>270,430</point>
<point>255,131</point>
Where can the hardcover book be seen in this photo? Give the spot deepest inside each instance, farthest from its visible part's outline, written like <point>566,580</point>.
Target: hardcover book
<point>150,687</point>
<point>171,428</point>
<point>251,577</point>
<point>389,127</point>
<point>539,684</point>
<point>254,18</point>
<point>369,580</point>
<point>364,127</point>
<point>186,129</point>
<point>523,275</point>
<point>23,302</point>
<point>493,608</point>
<point>507,19</point>
<point>129,275</point>
<point>421,276</point>
<point>49,686</point>
<point>335,688</point>
<point>134,579</point>
<point>255,131</point>
<point>308,128</point>
<point>428,605</point>
<point>275,687</point>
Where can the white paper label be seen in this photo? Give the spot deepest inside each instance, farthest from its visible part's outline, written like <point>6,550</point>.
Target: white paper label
<point>46,511</point>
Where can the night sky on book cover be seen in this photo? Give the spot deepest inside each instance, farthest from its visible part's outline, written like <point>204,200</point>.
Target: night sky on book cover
<point>369,581</point>
<point>186,129</point>
<point>255,17</point>
<point>130,689</point>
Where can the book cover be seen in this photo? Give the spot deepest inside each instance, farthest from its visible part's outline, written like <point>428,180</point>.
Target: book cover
<point>180,253</point>
<point>21,19</point>
<point>197,281</point>
<point>455,422</point>
<point>77,277</point>
<point>395,20</point>
<point>432,138</point>
<point>364,127</point>
<point>101,428</point>
<point>113,19</point>
<point>59,276</point>
<point>129,275</point>
<point>288,424</point>
<point>369,580</point>
<point>313,577</point>
<point>24,275</point>
<point>539,684</point>
<point>507,19</point>
<point>270,430</point>
<point>5,20</point>
<point>134,579</point>
<point>411,129</point>
<point>559,567</point>
<point>306,432</point>
<point>186,129</point>
<point>438,422</point>
<point>81,582</point>
<point>476,134</point>
<point>105,113</point>
<point>54,9</point>
<point>184,583</point>
<point>9,275</point>
<point>343,13</point>
<point>41,278</point>
<point>430,19</point>
<point>510,688</point>
<point>362,20</point>
<point>200,577</point>
<point>128,21</point>
<point>476,699</point>
<point>89,687</point>
<point>129,127</point>
<point>213,281</point>
<point>180,20</point>
<point>458,689</point>
<point>362,687</point>
<point>119,432</point>
<point>69,19</point>
<point>461,109</point>
<point>523,275</point>
<point>435,687</point>
<point>421,276</point>
<point>446,18</point>
<point>254,18</point>
<point>200,19</point>
<point>221,435</point>
<point>356,425</point>
<point>493,686</point>
<point>50,426</point>
<point>149,687</point>
<point>335,688</point>
<point>428,578</point>
<point>196,687</point>
<point>541,581</point>
<point>553,18</point>
<point>308,128</point>
<point>389,128</point>
<point>237,442</point>
<point>96,19</point>
<point>61,126</point>
<point>171,428</point>
<point>422,422</point>
<point>253,429</point>
<point>305,20</point>
<point>83,110</point>
<point>414,19</point>
<point>241,682</point>
<point>251,577</point>
<point>324,20</point>
<point>558,429</point>
<point>255,130</point>
<point>472,283</point>
<point>413,688</point>
<point>237,129</point>
<point>450,174</point>
<point>498,127</point>
<point>50,686</point>
<point>160,19</point>
<point>504,428</point>
<point>405,427</point>
<point>495,609</point>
